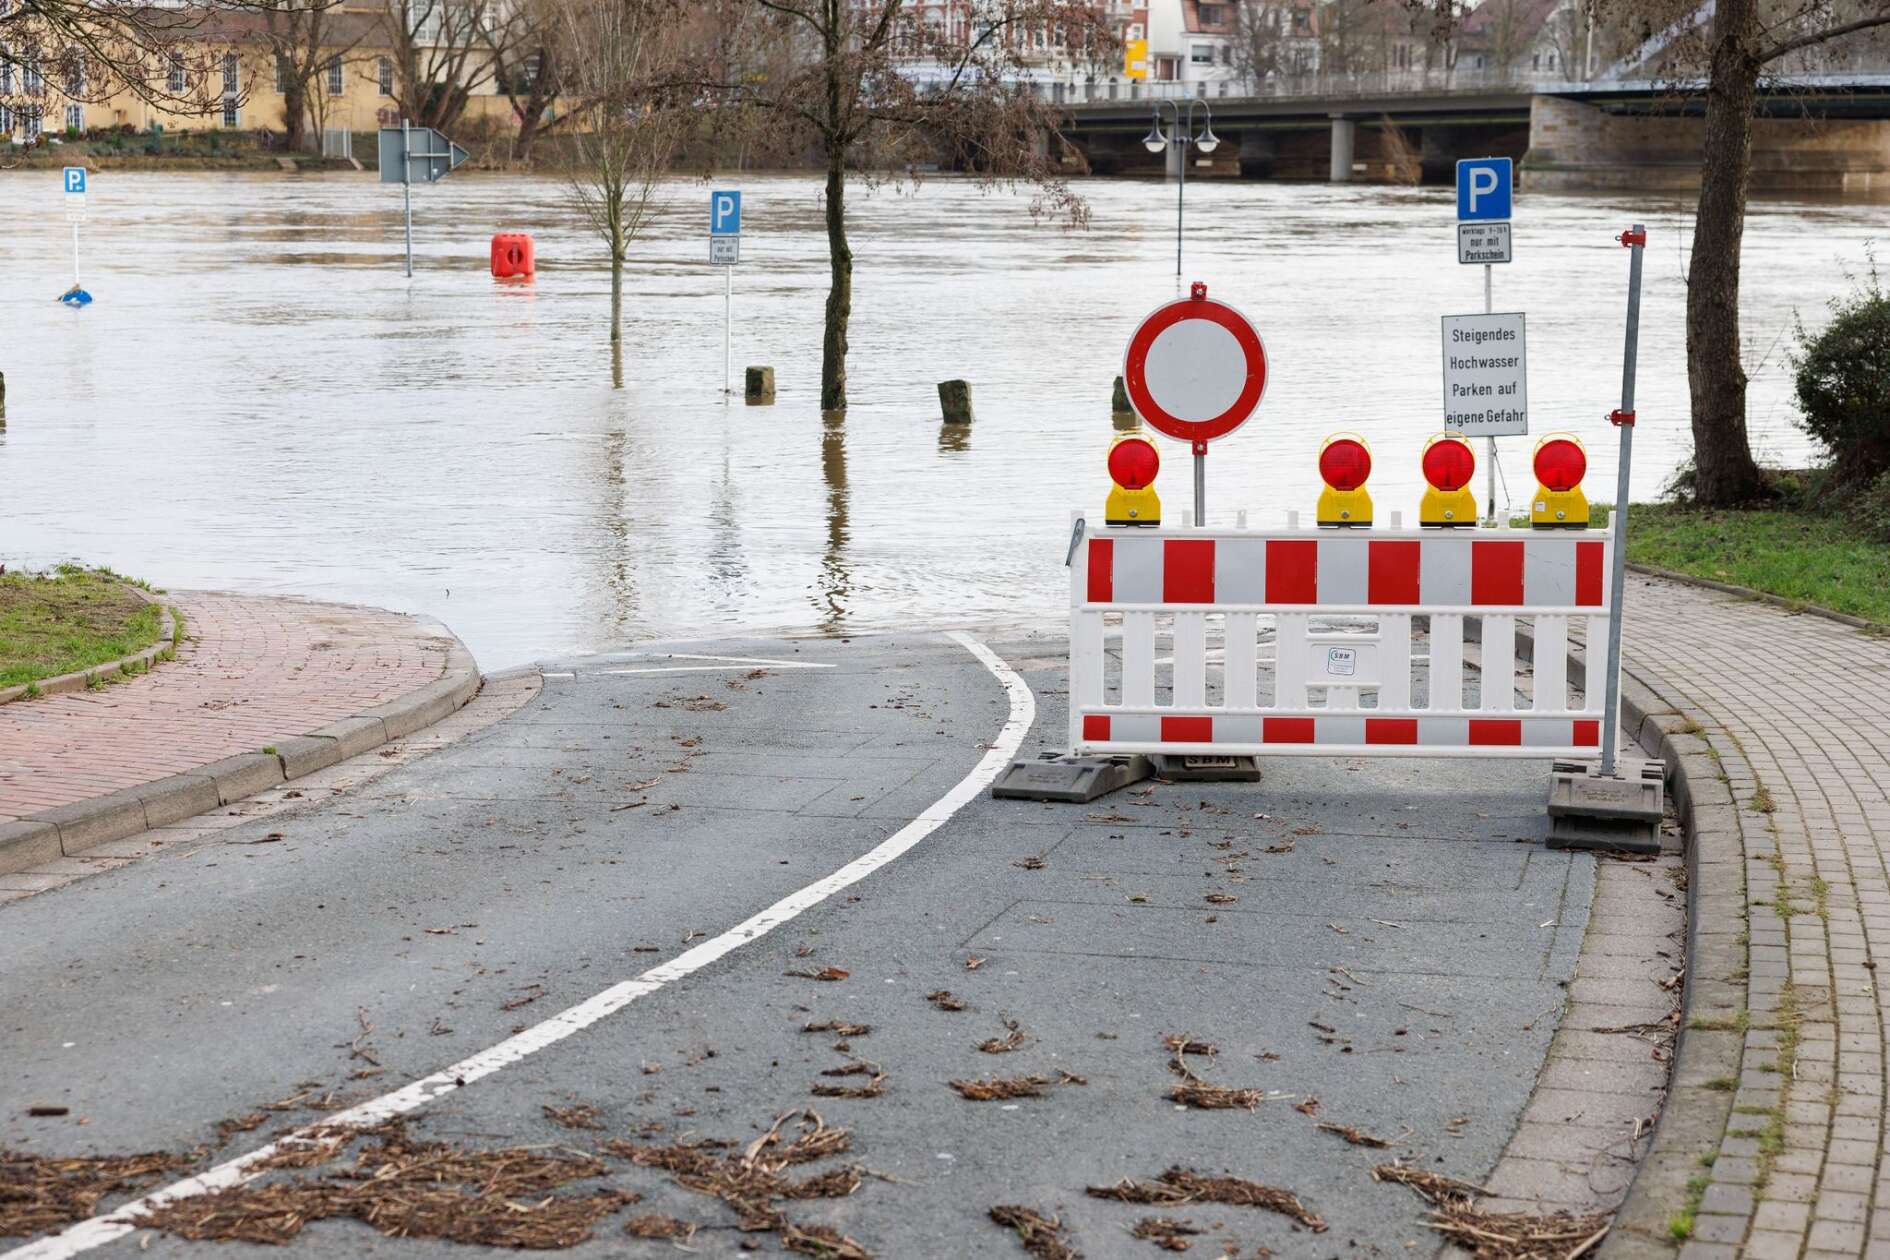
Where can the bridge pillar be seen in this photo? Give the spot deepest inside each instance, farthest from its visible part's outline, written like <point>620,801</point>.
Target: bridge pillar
<point>1258,149</point>
<point>1344,138</point>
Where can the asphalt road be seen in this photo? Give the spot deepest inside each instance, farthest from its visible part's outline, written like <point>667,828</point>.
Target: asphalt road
<point>1395,948</point>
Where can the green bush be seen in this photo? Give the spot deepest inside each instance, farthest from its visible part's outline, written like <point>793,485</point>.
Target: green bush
<point>1871,509</point>
<point>1843,384</point>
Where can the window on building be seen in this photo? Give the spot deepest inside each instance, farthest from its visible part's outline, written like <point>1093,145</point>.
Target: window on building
<point>384,74</point>
<point>1480,61</point>
<point>335,84</point>
<point>174,82</point>
<point>1201,54</point>
<point>229,74</point>
<point>6,76</point>
<point>31,81</point>
<point>75,74</point>
<point>230,118</point>
<point>30,123</point>
<point>423,19</point>
<point>1551,61</point>
<point>6,122</point>
<point>75,119</point>
<point>1212,15</point>
<point>282,76</point>
<point>1535,61</point>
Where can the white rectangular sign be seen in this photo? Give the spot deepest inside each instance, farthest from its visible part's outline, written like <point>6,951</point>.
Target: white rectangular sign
<point>1485,242</point>
<point>725,250</point>
<point>75,207</point>
<point>1486,371</point>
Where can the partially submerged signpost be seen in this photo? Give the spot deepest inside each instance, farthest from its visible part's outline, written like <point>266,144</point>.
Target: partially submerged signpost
<point>416,153</point>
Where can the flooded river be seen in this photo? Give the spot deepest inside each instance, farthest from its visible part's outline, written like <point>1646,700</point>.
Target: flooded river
<point>260,401</point>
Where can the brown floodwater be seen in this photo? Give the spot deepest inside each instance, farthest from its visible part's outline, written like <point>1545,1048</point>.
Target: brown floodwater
<point>259,400</point>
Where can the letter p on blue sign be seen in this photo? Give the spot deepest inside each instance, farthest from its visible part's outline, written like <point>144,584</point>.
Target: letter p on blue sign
<point>725,213</point>
<point>75,179</point>
<point>1483,188</point>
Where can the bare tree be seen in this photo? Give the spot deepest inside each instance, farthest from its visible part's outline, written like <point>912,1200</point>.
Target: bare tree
<point>1259,39</point>
<point>303,39</point>
<point>877,87</point>
<point>1743,43</point>
<point>92,51</point>
<point>524,47</point>
<point>620,63</point>
<point>442,54</point>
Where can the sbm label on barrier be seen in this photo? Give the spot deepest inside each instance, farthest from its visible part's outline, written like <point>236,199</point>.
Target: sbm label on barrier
<point>1486,370</point>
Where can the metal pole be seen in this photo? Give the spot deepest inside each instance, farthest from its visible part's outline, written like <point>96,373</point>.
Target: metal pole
<point>1636,240</point>
<point>1200,484</point>
<point>1490,472</point>
<point>1181,190</point>
<point>406,191</point>
<point>75,253</point>
<point>728,300</point>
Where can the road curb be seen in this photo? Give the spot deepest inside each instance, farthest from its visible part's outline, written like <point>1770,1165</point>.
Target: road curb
<point>1697,1109</point>
<point>79,680</point>
<point>70,830</point>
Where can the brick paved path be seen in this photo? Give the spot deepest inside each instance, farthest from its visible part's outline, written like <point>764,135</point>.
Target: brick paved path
<point>251,670</point>
<point>1797,711</point>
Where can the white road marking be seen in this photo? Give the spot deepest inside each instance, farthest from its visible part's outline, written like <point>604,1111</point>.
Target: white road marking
<point>100,1230</point>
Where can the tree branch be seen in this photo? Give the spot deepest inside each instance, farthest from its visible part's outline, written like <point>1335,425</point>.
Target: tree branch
<point>1783,47</point>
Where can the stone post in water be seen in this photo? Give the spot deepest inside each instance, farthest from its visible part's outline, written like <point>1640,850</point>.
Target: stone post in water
<point>954,398</point>
<point>758,387</point>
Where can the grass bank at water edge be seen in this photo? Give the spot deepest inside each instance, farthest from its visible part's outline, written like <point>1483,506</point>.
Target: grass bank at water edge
<point>69,620</point>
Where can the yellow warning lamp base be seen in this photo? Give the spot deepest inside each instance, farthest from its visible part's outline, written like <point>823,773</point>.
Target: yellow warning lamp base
<point>1341,508</point>
<point>1447,508</point>
<point>1558,509</point>
<point>1132,507</point>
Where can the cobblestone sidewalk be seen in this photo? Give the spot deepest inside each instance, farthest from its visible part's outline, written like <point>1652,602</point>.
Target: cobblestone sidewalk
<point>250,670</point>
<point>1796,711</point>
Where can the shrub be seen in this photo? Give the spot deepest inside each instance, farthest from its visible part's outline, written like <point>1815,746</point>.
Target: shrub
<point>1843,384</point>
<point>1871,509</point>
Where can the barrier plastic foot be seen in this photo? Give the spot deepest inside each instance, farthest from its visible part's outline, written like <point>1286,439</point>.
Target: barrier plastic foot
<point>1074,780</point>
<point>1590,810</point>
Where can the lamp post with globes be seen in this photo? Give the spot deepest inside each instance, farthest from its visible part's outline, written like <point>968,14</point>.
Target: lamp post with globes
<point>1181,134</point>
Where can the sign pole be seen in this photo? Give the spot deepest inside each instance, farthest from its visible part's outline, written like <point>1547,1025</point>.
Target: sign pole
<point>1200,484</point>
<point>1491,471</point>
<point>1635,239</point>
<point>75,253</point>
<point>728,302</point>
<point>406,190</point>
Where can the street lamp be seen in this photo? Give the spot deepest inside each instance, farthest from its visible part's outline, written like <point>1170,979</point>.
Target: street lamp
<point>1180,134</point>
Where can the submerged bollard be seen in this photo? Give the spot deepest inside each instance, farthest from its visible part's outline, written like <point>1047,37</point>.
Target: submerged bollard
<point>3,399</point>
<point>758,387</point>
<point>1119,400</point>
<point>954,398</point>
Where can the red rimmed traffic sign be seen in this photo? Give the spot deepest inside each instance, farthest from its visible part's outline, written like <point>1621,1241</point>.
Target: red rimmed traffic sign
<point>1195,369</point>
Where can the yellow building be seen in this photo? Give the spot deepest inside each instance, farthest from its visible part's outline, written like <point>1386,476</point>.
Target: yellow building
<point>228,76</point>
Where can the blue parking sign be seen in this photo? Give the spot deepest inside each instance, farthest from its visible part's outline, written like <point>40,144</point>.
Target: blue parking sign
<point>75,179</point>
<point>1483,188</point>
<point>725,213</point>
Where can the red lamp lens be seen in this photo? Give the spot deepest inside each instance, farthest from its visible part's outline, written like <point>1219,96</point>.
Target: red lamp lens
<point>1345,464</point>
<point>1133,463</point>
<point>1449,464</point>
<point>1560,464</point>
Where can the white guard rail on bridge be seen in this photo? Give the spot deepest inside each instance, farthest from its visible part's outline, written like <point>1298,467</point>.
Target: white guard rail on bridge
<point>1349,667</point>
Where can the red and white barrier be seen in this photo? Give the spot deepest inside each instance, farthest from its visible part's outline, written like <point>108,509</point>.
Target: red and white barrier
<point>1236,642</point>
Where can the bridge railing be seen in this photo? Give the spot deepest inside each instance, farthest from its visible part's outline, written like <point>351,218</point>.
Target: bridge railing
<point>1321,85</point>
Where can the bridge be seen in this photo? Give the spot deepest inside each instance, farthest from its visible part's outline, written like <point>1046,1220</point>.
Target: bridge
<point>1826,132</point>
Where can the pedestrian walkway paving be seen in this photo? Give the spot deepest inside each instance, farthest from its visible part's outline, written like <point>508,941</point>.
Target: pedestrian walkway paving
<point>251,669</point>
<point>1796,711</point>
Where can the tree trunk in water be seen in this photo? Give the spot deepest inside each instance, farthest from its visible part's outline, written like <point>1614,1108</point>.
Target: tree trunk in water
<point>1722,456</point>
<point>833,348</point>
<point>294,113</point>
<point>527,132</point>
<point>616,298</point>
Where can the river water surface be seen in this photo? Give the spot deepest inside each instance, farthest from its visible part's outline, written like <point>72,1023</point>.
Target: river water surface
<point>259,400</point>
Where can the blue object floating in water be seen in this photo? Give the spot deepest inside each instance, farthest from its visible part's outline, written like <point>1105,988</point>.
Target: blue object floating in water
<point>75,296</point>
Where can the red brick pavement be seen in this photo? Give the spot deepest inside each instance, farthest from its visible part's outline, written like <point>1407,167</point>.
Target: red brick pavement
<point>250,671</point>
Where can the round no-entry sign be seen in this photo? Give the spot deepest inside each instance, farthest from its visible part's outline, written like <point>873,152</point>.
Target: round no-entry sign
<point>1195,369</point>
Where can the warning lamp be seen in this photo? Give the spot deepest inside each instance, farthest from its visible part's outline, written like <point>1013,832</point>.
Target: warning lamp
<point>1344,464</point>
<point>1133,463</point>
<point>1449,464</point>
<point>1559,503</point>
